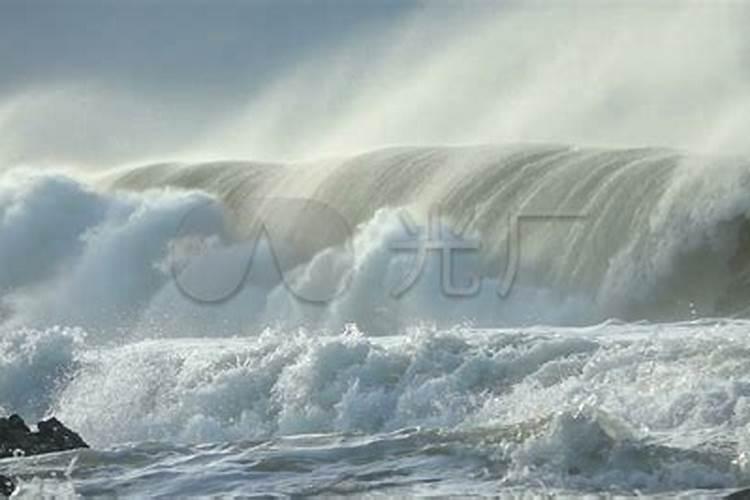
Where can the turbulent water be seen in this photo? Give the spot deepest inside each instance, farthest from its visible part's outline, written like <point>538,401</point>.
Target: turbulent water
<point>250,328</point>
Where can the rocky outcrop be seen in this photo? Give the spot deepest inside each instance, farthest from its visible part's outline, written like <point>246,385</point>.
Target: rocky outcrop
<point>6,486</point>
<point>17,439</point>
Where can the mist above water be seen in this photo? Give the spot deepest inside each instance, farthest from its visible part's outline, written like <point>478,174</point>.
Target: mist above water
<point>610,74</point>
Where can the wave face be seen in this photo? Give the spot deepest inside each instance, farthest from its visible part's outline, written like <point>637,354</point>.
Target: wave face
<point>590,233</point>
<point>551,234</point>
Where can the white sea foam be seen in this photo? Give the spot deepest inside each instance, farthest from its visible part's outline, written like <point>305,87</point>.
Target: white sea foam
<point>96,330</point>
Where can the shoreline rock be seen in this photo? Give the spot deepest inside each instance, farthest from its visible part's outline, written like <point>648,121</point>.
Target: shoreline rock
<point>17,439</point>
<point>6,486</point>
<point>52,436</point>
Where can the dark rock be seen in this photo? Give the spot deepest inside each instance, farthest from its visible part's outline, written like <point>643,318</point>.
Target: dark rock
<point>53,433</point>
<point>6,486</point>
<point>16,437</point>
<point>739,495</point>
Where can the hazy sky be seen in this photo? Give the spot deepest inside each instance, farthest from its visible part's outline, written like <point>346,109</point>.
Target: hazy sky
<point>166,65</point>
<point>100,83</point>
<point>190,45</point>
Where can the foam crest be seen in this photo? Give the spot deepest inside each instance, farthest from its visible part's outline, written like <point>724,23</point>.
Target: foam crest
<point>180,253</point>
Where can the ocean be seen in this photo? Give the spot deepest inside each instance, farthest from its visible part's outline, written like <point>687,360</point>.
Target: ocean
<point>519,321</point>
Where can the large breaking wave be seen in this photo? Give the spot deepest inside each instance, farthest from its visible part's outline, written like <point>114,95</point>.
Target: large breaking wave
<point>658,235</point>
